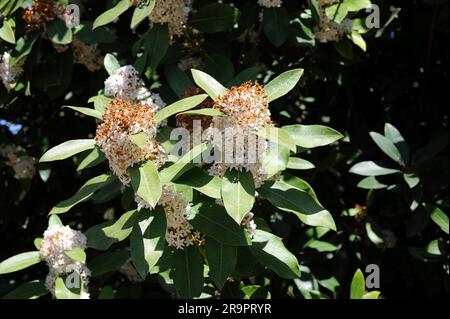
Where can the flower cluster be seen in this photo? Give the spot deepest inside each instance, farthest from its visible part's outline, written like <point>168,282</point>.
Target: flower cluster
<point>128,86</point>
<point>270,3</point>
<point>88,55</point>
<point>174,13</point>
<point>40,13</point>
<point>120,120</point>
<point>9,72</point>
<point>249,223</point>
<point>23,166</point>
<point>179,233</point>
<point>246,110</point>
<point>58,240</point>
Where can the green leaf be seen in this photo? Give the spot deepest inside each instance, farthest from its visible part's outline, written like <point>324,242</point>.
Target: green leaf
<point>95,157</point>
<point>188,272</point>
<point>310,136</point>
<point>275,159</point>
<point>270,251</point>
<point>58,32</point>
<point>148,240</point>
<point>83,194</point>
<point>100,102</point>
<point>145,182</point>
<point>358,40</point>
<point>141,12</point>
<point>282,84</point>
<point>86,111</point>
<point>209,84</point>
<point>23,48</point>
<point>276,25</point>
<point>291,199</point>
<point>371,182</point>
<point>111,14</point>
<point>108,262</point>
<point>299,163</point>
<point>7,33</point>
<point>433,248</point>
<point>358,286</point>
<point>54,220</point>
<point>321,246</point>
<point>201,181</point>
<point>356,5</point>
<point>121,229</point>
<point>221,261</point>
<point>411,179</point>
<point>213,17</point>
<point>370,168</point>
<point>278,136</point>
<point>255,292</point>
<point>213,221</point>
<point>175,170</point>
<point>372,295</point>
<point>438,217</point>
<point>238,193</point>
<point>394,135</point>
<point>67,149</point>
<point>63,292</point>
<point>156,44</point>
<point>111,64</point>
<point>77,254</point>
<point>178,80</point>
<point>37,243</point>
<point>19,262</point>
<point>180,106</point>
<point>205,112</point>
<point>30,290</point>
<point>140,139</point>
<point>386,146</point>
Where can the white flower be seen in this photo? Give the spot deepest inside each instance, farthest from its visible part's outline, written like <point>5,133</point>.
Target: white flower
<point>9,73</point>
<point>179,233</point>
<point>57,240</point>
<point>249,223</point>
<point>124,84</point>
<point>270,3</point>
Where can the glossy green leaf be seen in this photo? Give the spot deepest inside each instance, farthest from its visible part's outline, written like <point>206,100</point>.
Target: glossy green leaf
<point>148,240</point>
<point>358,285</point>
<point>63,292</point>
<point>111,64</point>
<point>291,199</point>
<point>95,157</point>
<point>204,112</point>
<point>141,12</point>
<point>86,111</point>
<point>209,84</point>
<point>180,106</point>
<point>283,84</point>
<point>371,182</point>
<point>310,136</point>
<point>188,272</point>
<point>221,259</point>
<point>238,193</point>
<point>145,182</point>
<point>270,251</point>
<point>370,168</point>
<point>276,25</point>
<point>111,14</point>
<point>386,146</point>
<point>299,163</point>
<point>278,136</point>
<point>7,33</point>
<point>201,181</point>
<point>108,262</point>
<point>213,221</point>
<point>83,194</point>
<point>156,44</point>
<point>438,217</point>
<point>30,290</point>
<point>76,254</point>
<point>67,149</point>
<point>19,262</point>
<point>58,32</point>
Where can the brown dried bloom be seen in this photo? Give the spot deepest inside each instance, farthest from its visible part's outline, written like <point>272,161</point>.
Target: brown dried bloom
<point>40,12</point>
<point>174,13</point>
<point>120,120</point>
<point>246,106</point>
<point>88,55</point>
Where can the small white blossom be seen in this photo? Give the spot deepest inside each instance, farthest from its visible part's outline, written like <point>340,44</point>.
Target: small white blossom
<point>9,73</point>
<point>270,3</point>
